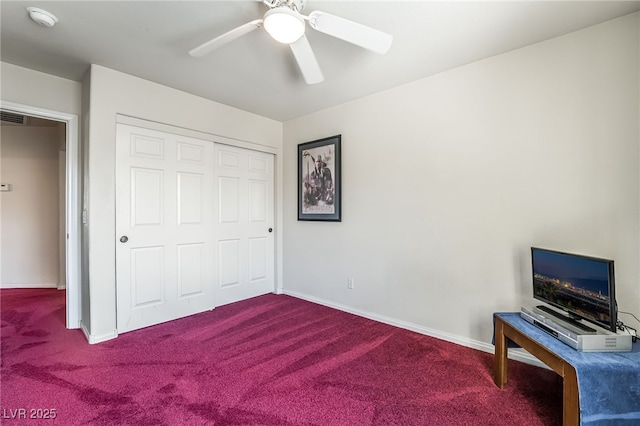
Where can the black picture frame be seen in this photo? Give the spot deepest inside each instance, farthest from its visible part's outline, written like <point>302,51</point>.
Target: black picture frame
<point>320,180</point>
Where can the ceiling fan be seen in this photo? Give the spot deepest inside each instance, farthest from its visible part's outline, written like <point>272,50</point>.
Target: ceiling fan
<point>286,24</point>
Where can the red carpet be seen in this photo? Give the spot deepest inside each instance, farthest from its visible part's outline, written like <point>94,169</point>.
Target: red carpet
<point>272,360</point>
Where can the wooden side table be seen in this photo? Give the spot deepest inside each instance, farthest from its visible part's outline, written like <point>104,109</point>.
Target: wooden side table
<point>504,331</point>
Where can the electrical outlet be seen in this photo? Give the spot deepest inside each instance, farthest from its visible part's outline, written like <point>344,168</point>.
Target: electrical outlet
<point>350,283</point>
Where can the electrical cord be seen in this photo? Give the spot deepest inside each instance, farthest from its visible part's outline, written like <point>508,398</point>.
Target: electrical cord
<point>629,330</point>
<point>629,313</point>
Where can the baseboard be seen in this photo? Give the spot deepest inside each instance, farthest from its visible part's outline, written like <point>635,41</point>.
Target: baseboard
<point>515,354</point>
<point>93,339</point>
<point>30,285</point>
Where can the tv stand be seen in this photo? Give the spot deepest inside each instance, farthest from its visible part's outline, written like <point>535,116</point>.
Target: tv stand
<point>504,331</point>
<point>569,320</point>
<point>607,382</point>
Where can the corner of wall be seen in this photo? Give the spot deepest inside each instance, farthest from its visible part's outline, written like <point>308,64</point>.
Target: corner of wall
<point>94,339</point>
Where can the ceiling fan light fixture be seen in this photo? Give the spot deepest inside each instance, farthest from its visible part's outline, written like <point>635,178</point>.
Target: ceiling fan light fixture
<point>284,25</point>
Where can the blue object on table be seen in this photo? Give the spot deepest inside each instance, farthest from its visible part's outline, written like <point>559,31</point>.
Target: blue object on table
<point>608,382</point>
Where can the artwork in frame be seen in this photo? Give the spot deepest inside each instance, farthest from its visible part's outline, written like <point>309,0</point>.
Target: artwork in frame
<point>319,180</point>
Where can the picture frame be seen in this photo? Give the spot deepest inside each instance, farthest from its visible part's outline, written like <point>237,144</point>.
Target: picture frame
<point>320,180</point>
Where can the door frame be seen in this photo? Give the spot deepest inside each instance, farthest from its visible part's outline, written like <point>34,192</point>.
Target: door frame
<point>72,197</point>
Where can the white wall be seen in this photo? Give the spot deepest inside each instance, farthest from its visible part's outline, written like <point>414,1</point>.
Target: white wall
<point>30,212</point>
<point>113,93</point>
<point>449,180</point>
<point>33,88</point>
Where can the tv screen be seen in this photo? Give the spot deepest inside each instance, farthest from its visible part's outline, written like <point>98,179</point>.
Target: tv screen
<point>580,285</point>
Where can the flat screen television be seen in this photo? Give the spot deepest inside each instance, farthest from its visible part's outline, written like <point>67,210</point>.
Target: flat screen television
<point>582,286</point>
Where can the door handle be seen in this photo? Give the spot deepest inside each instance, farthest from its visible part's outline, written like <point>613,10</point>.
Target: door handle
<point>270,229</point>
<point>124,239</point>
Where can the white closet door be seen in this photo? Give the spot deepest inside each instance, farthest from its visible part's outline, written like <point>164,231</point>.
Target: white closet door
<point>245,194</point>
<point>165,222</point>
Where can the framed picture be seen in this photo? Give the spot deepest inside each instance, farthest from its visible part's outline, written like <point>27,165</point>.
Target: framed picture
<point>319,180</point>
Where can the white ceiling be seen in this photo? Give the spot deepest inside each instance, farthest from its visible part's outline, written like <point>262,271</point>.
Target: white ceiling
<point>150,39</point>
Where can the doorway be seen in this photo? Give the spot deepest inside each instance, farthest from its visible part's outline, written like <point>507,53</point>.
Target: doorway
<point>70,245</point>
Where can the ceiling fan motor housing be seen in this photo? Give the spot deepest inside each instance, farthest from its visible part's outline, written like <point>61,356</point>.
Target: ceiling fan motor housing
<point>297,5</point>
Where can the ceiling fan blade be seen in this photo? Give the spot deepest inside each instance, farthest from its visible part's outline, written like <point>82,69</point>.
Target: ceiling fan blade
<point>225,38</point>
<point>351,32</point>
<point>306,60</point>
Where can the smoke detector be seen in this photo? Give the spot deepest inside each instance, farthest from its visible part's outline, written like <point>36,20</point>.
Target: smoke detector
<point>42,17</point>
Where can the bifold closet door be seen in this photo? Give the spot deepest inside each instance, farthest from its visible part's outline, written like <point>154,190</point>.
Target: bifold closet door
<point>165,224</point>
